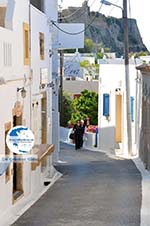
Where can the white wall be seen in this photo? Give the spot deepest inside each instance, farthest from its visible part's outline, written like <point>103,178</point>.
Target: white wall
<point>51,9</point>
<point>112,76</point>
<point>16,75</point>
<point>39,24</point>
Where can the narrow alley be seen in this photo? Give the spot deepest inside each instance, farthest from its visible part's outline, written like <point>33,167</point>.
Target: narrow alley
<point>95,190</point>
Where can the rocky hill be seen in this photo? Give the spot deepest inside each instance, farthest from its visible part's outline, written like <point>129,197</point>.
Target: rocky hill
<point>106,31</point>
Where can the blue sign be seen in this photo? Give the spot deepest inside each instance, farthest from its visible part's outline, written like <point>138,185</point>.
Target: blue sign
<point>20,140</point>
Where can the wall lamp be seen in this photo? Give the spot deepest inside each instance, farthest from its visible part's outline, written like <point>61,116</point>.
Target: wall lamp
<point>23,92</point>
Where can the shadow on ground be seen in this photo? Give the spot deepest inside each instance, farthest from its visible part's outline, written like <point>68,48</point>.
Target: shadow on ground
<point>95,190</point>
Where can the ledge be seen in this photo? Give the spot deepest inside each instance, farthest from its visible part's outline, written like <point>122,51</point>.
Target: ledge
<point>41,150</point>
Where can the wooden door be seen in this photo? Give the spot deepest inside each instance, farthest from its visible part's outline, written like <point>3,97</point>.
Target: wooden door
<point>44,120</point>
<point>118,126</point>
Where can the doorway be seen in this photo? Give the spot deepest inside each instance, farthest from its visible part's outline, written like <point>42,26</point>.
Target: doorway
<point>17,168</point>
<point>44,120</point>
<point>118,127</point>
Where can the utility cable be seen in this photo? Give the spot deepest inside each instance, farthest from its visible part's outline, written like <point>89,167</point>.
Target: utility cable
<point>65,17</point>
<point>77,33</point>
<point>113,7</point>
<point>80,13</point>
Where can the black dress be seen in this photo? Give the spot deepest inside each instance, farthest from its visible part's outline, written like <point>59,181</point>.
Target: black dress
<point>78,136</point>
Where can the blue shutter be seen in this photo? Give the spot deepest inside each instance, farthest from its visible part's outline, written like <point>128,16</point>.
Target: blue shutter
<point>106,104</point>
<point>132,108</point>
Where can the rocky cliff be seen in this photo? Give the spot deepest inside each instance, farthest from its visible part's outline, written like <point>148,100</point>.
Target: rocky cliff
<point>106,31</point>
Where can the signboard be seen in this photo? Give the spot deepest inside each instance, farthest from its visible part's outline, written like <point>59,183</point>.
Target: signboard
<point>68,41</point>
<point>20,139</point>
<point>72,69</point>
<point>43,75</point>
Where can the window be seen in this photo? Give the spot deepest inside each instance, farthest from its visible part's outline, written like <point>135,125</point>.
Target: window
<point>26,43</point>
<point>7,54</point>
<point>41,39</point>
<point>106,104</point>
<point>2,16</point>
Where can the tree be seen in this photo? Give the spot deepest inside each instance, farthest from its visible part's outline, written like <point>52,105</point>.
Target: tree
<point>99,55</point>
<point>91,68</point>
<point>67,111</point>
<point>85,105</point>
<point>88,46</point>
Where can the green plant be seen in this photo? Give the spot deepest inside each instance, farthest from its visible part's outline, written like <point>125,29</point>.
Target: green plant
<point>88,46</point>
<point>67,109</point>
<point>85,105</point>
<point>91,68</point>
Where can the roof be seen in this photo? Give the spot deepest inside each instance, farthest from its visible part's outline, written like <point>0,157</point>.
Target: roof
<point>76,87</point>
<point>143,68</point>
<point>119,61</point>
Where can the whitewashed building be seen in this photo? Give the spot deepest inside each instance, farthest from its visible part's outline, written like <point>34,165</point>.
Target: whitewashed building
<point>25,98</point>
<point>142,127</point>
<point>112,105</point>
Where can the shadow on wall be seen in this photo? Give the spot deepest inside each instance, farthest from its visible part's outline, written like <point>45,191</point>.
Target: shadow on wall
<point>106,138</point>
<point>144,151</point>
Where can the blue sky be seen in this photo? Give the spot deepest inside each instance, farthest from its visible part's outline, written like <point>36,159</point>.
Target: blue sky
<point>139,11</point>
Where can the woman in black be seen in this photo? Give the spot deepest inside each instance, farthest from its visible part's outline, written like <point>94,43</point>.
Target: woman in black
<point>78,134</point>
<point>82,124</point>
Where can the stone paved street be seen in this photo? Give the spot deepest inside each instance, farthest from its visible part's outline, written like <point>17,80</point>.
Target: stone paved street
<point>95,190</point>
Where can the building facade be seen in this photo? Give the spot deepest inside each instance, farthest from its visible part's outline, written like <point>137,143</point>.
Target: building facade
<point>26,87</point>
<point>143,114</point>
<point>112,105</point>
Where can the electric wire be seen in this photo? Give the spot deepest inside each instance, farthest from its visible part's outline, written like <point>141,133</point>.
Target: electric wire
<point>113,7</point>
<point>64,17</point>
<point>77,33</point>
<point>79,14</point>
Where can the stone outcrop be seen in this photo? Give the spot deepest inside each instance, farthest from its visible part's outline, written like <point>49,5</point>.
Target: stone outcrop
<point>106,31</point>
